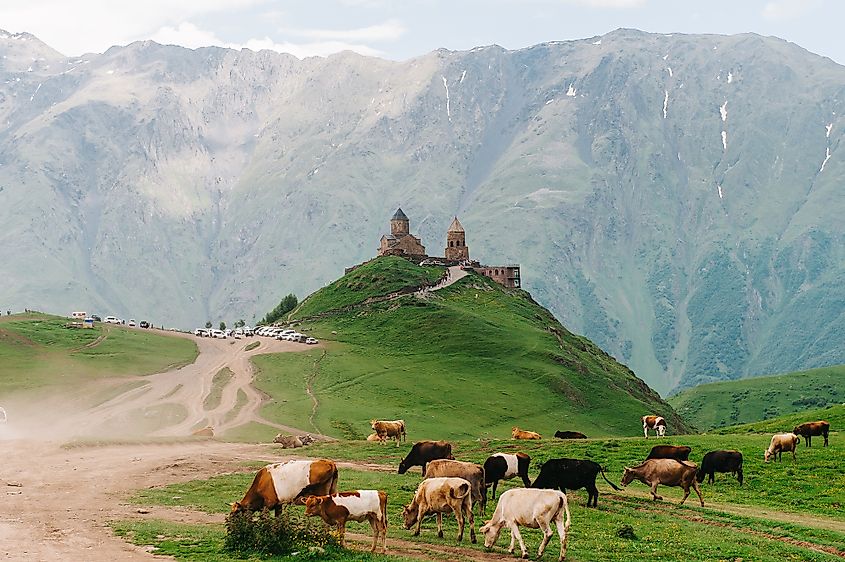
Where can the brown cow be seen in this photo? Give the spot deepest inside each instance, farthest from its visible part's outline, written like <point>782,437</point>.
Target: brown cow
<point>812,429</point>
<point>657,423</point>
<point>472,473</point>
<point>360,505</point>
<point>441,495</point>
<point>288,482</point>
<point>517,433</point>
<point>782,442</point>
<point>389,429</point>
<point>668,472</point>
<point>375,437</point>
<point>677,452</point>
<point>424,452</point>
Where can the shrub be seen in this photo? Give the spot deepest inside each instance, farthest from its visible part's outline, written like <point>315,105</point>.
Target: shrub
<point>264,533</point>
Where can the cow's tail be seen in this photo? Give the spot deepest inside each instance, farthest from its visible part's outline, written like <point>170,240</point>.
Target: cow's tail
<point>566,523</point>
<point>612,485</point>
<point>333,487</point>
<point>458,496</point>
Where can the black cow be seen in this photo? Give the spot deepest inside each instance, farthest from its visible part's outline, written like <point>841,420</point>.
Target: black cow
<point>504,466</point>
<point>679,453</point>
<point>720,461</point>
<point>572,474</point>
<point>570,435</point>
<point>425,451</point>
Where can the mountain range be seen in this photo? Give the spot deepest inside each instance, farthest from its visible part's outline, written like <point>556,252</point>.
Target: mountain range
<point>675,198</point>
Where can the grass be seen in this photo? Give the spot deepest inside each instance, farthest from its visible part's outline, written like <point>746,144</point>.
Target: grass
<point>835,415</point>
<point>37,351</point>
<point>750,400</point>
<point>218,383</point>
<point>251,346</point>
<point>472,360</point>
<point>738,523</point>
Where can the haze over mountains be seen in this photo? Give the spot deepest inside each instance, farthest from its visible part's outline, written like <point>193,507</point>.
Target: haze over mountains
<point>675,198</point>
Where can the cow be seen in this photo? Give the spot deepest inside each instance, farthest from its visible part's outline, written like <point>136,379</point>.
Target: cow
<point>812,429</point>
<point>657,423</point>
<point>530,508</point>
<point>288,482</point>
<point>781,442</point>
<point>424,452</point>
<point>375,437</point>
<point>668,472</point>
<point>572,474</point>
<point>504,466</point>
<point>360,505</point>
<point>720,461</point>
<point>441,495</point>
<point>570,435</point>
<point>389,429</point>
<point>677,452</point>
<point>517,433</point>
<point>472,473</point>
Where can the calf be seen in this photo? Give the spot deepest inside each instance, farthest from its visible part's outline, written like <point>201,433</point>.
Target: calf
<point>530,508</point>
<point>424,452</point>
<point>720,461</point>
<point>572,474</point>
<point>668,472</point>
<point>679,453</point>
<point>360,505</point>
<point>389,429</point>
<point>470,472</point>
<point>782,442</point>
<point>657,423</point>
<point>288,482</point>
<point>375,437</point>
<point>441,495</point>
<point>570,435</point>
<point>517,433</point>
<point>812,429</point>
<point>504,466</point>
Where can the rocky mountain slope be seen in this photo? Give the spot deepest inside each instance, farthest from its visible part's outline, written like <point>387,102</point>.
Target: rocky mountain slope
<point>675,198</point>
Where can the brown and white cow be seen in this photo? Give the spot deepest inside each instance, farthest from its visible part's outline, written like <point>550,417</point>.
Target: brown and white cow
<point>389,429</point>
<point>472,473</point>
<point>657,423</point>
<point>504,466</point>
<point>288,482</point>
<point>668,472</point>
<point>360,505</point>
<point>529,507</point>
<point>441,495</point>
<point>782,442</point>
<point>812,429</point>
<point>517,433</point>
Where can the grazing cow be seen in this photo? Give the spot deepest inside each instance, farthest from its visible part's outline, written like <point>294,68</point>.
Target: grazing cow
<point>504,466</point>
<point>424,452</point>
<point>657,423</point>
<point>570,435</point>
<point>389,429</point>
<point>679,453</point>
<point>441,495</point>
<point>360,505</point>
<point>288,482</point>
<point>668,472</point>
<point>720,461</point>
<point>812,429</point>
<point>782,442</point>
<point>517,433</point>
<point>530,508</point>
<point>572,474</point>
<point>472,473</point>
<point>375,437</point>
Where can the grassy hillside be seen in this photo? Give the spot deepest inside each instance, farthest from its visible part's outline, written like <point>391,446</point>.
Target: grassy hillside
<point>473,359</point>
<point>784,511</point>
<point>37,351</point>
<point>834,414</point>
<point>749,400</point>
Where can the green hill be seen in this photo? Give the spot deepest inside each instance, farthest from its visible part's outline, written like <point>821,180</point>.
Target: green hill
<point>749,400</point>
<point>470,360</point>
<point>834,414</point>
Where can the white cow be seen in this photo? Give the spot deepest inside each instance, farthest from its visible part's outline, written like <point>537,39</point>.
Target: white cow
<point>529,507</point>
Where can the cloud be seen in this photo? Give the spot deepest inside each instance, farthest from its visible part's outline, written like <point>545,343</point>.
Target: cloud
<point>388,31</point>
<point>788,9</point>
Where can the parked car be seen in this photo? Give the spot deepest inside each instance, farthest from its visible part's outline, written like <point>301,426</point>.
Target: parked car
<point>144,324</point>
<point>237,336</point>
<point>311,341</point>
<point>112,320</point>
<point>96,318</point>
<point>247,331</point>
<point>219,334</point>
<point>131,321</point>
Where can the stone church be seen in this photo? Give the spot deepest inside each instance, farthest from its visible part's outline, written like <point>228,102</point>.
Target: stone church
<point>400,241</point>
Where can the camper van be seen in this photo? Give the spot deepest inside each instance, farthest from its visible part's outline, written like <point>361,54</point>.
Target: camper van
<point>78,315</point>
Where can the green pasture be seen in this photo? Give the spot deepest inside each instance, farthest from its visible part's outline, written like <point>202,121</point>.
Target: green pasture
<point>37,351</point>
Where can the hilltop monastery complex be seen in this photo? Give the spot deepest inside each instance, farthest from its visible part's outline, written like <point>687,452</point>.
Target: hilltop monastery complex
<point>400,242</point>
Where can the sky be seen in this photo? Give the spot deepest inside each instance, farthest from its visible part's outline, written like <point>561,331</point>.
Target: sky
<point>402,29</point>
